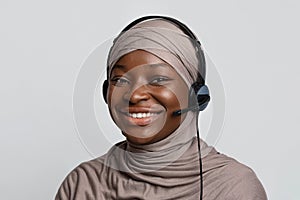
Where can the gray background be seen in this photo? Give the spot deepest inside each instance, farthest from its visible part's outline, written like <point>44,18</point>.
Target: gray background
<point>254,45</point>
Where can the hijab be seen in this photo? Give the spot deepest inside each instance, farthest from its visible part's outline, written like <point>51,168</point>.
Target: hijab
<point>163,39</point>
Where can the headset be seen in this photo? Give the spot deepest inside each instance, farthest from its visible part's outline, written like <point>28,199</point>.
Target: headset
<point>198,93</point>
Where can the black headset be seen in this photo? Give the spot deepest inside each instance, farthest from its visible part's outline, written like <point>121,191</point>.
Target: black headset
<point>198,94</point>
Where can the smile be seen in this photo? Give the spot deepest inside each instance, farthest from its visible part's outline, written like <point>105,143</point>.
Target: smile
<point>142,118</point>
<point>141,115</point>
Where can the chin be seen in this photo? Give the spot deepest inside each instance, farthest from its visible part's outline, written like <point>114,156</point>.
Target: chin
<point>140,141</point>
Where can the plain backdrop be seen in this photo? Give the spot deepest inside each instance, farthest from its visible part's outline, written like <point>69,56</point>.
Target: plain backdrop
<point>43,44</point>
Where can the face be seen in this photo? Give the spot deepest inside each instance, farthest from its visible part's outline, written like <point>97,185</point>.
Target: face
<point>143,93</point>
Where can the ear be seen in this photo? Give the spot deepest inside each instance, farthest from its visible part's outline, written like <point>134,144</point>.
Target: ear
<point>104,90</point>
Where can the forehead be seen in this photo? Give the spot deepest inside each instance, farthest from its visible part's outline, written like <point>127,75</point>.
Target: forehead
<point>139,57</point>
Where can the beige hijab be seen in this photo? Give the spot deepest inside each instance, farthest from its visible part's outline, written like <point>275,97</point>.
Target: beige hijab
<point>164,40</point>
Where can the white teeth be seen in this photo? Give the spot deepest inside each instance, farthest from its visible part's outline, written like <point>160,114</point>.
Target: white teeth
<point>141,115</point>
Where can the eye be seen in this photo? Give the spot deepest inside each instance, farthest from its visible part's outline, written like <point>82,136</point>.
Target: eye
<point>119,81</point>
<point>161,80</point>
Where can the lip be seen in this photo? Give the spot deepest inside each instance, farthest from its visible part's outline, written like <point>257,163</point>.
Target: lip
<point>141,116</point>
<point>141,110</point>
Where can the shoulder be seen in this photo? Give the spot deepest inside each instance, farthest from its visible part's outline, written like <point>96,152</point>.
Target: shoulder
<point>245,183</point>
<point>81,180</point>
<point>87,180</point>
<point>235,180</point>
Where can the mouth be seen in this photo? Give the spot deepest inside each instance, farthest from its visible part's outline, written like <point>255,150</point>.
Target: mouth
<point>141,118</point>
<point>141,115</point>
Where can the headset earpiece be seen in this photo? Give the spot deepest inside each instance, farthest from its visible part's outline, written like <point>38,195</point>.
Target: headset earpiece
<point>104,90</point>
<point>199,96</point>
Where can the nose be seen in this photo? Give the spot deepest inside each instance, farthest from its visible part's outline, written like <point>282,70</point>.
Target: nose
<point>137,94</point>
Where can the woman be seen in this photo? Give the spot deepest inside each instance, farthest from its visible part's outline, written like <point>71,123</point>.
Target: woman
<point>155,89</point>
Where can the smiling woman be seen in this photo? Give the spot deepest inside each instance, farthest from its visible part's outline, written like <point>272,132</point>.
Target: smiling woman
<point>155,89</point>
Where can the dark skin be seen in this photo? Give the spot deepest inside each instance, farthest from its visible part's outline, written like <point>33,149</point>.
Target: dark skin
<point>143,93</point>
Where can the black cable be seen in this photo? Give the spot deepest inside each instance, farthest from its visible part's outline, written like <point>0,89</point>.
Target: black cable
<point>200,161</point>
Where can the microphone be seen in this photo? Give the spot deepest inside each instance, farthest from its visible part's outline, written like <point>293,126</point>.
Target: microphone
<point>180,112</point>
<point>201,100</point>
<point>201,105</point>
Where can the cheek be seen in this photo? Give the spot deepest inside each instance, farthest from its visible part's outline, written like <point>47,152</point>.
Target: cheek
<point>114,95</point>
<point>169,98</point>
<point>175,98</point>
<point>112,101</point>
<point>109,96</point>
